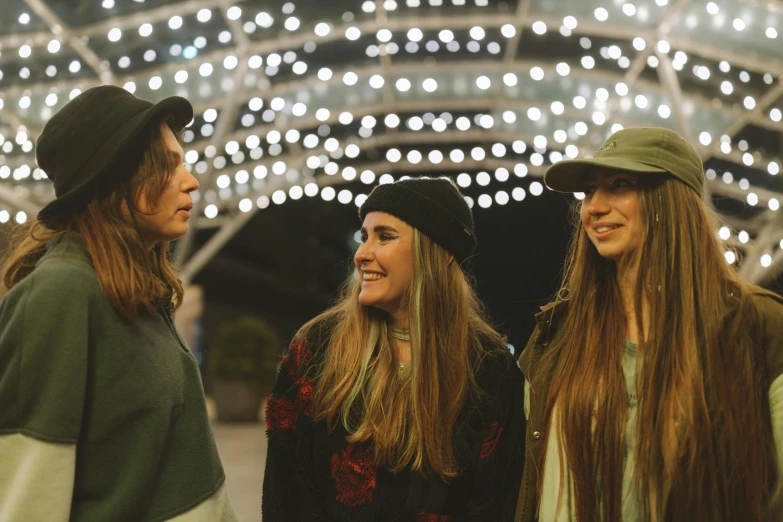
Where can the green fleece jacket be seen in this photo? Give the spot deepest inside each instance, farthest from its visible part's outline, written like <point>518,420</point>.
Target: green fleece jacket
<point>101,419</point>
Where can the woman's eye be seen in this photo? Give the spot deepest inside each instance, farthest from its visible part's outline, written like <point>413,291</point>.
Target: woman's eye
<point>385,237</point>
<point>623,183</point>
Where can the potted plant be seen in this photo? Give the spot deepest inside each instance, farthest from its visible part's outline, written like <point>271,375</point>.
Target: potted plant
<point>244,368</point>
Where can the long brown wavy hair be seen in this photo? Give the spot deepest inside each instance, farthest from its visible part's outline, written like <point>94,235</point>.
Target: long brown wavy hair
<point>704,448</point>
<point>134,279</point>
<point>412,420</point>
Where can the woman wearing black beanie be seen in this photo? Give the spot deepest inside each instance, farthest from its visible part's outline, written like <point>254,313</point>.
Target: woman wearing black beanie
<point>400,402</point>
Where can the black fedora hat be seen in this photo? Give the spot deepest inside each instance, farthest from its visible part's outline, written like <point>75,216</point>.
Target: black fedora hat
<point>81,144</point>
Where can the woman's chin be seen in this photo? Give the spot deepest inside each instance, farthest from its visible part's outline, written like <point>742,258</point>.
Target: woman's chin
<point>366,300</point>
<point>376,303</point>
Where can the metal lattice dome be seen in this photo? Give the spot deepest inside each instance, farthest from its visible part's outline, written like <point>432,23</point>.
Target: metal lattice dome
<point>325,99</point>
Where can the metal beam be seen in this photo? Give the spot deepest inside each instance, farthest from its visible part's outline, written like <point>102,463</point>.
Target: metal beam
<point>763,275</point>
<point>227,116</point>
<point>233,225</point>
<point>518,67</point>
<point>10,197</point>
<point>471,104</point>
<point>733,191</point>
<point>15,121</point>
<point>385,59</point>
<point>736,126</point>
<point>456,137</point>
<point>462,21</point>
<point>736,156</point>
<point>668,77</point>
<point>213,246</point>
<point>770,234</point>
<point>230,205</point>
<point>61,30</point>
<point>512,47</point>
<point>521,15</point>
<point>639,63</point>
<point>749,61</point>
<point>132,21</point>
<point>474,135</point>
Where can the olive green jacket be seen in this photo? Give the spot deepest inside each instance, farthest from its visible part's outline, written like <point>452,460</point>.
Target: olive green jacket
<point>547,323</point>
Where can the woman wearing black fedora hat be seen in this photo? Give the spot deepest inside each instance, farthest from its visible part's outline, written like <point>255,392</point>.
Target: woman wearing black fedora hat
<point>102,411</point>
<point>654,382</point>
<point>399,403</point>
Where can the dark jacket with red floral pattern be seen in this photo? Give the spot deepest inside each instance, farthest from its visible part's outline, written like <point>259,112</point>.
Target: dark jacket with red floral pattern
<point>314,475</point>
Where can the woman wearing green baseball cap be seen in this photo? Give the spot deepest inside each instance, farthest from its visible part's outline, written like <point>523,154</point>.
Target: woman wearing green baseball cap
<point>654,382</point>
<point>102,411</point>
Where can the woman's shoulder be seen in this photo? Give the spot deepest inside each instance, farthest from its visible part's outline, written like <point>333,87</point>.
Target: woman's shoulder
<point>308,345</point>
<point>769,303</point>
<point>496,369</point>
<point>315,334</point>
<point>57,282</point>
<point>770,309</point>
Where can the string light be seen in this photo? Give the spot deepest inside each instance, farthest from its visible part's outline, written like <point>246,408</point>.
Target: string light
<point>302,114</point>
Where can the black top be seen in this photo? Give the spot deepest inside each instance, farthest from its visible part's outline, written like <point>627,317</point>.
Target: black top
<point>314,475</point>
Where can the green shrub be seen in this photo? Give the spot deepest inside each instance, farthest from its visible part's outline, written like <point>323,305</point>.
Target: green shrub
<point>247,350</point>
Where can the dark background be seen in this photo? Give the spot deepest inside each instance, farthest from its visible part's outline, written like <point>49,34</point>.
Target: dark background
<point>287,264</point>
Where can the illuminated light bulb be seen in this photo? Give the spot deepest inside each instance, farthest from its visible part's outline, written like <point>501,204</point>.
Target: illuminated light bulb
<point>322,29</point>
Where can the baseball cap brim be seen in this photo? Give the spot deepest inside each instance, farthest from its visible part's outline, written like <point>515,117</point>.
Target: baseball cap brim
<point>176,107</point>
<point>569,175</point>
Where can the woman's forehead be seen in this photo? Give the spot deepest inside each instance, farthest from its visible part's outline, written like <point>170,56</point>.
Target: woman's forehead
<point>377,218</point>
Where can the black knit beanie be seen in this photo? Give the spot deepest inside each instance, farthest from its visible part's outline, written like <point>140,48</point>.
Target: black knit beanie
<point>433,206</point>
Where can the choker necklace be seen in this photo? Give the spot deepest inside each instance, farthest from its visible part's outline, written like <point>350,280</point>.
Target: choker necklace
<point>402,335</point>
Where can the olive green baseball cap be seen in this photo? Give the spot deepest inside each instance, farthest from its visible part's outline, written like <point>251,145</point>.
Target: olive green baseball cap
<point>641,150</point>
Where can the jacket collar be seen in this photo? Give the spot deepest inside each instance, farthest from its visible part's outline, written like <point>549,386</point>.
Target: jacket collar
<point>552,314</point>
<point>69,245</point>
<point>547,321</point>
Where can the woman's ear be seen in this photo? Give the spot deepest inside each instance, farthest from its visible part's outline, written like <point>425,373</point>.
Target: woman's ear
<point>450,259</point>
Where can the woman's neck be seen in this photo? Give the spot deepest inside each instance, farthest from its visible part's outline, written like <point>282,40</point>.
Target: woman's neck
<point>399,321</point>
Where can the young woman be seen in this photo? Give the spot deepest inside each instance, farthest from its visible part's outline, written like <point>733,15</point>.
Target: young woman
<point>399,403</point>
<point>103,414</point>
<point>653,383</point>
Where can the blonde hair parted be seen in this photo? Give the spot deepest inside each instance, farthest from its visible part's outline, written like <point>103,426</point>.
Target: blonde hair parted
<point>411,420</point>
<point>134,279</point>
<point>705,449</point>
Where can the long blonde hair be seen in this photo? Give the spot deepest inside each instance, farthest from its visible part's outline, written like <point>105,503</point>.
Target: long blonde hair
<point>134,279</point>
<point>411,420</point>
<point>705,449</point>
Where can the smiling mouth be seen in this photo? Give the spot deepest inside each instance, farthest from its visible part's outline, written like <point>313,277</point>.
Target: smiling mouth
<point>372,276</point>
<point>605,229</point>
